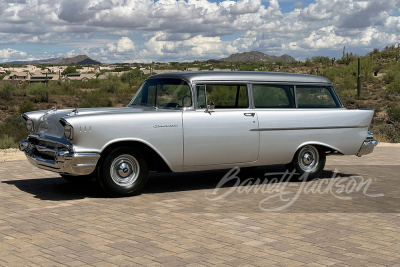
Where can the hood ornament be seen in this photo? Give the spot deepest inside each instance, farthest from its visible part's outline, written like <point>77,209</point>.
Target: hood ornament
<point>74,112</point>
<point>52,110</point>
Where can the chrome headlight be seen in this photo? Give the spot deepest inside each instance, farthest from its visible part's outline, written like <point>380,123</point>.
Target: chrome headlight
<point>29,125</point>
<point>68,132</point>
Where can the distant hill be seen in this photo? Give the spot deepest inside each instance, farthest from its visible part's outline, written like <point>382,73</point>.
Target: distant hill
<point>55,60</point>
<point>78,60</point>
<point>256,56</point>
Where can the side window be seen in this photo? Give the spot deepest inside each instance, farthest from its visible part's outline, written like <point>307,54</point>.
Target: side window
<point>316,97</point>
<point>172,95</point>
<point>273,96</point>
<point>223,95</point>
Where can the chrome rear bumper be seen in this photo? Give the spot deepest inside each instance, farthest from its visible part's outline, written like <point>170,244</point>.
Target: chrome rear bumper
<point>368,145</point>
<point>59,159</point>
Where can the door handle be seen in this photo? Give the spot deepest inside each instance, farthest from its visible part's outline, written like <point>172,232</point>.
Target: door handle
<point>250,114</point>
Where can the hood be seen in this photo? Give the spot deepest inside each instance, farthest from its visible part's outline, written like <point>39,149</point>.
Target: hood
<point>48,122</point>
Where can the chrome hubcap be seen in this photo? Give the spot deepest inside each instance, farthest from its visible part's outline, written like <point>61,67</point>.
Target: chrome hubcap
<point>124,170</point>
<point>308,158</point>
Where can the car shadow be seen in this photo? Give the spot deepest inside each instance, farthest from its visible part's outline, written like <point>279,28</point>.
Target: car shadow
<point>57,188</point>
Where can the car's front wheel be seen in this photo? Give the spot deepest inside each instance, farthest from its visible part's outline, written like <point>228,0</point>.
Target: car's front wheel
<point>123,172</point>
<point>309,162</point>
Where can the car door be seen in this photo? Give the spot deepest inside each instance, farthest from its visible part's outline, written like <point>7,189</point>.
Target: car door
<point>221,135</point>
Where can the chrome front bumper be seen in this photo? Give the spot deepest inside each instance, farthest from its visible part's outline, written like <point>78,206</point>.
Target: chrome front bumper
<point>368,145</point>
<point>58,158</point>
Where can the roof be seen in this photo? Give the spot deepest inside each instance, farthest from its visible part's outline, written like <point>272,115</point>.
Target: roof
<point>18,74</point>
<point>255,76</point>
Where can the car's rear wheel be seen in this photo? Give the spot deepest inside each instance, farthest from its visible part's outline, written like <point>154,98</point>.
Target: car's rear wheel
<point>81,179</point>
<point>123,172</point>
<point>309,161</point>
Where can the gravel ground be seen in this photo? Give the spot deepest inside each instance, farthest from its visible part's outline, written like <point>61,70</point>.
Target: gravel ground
<point>12,154</point>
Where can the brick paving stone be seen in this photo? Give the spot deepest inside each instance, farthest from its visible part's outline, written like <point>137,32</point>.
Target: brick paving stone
<point>45,221</point>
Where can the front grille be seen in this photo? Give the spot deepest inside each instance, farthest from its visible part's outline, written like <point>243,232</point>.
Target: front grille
<point>46,149</point>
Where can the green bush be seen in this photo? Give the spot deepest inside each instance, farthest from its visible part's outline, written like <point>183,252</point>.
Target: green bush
<point>320,59</point>
<point>96,99</point>
<point>345,78</point>
<point>26,106</point>
<point>6,93</point>
<point>12,131</point>
<point>135,74</point>
<point>308,63</point>
<point>394,86</point>
<point>392,72</point>
<point>112,84</point>
<point>7,142</point>
<point>394,114</point>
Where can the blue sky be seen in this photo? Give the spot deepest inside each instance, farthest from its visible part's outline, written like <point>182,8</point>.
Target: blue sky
<point>186,30</point>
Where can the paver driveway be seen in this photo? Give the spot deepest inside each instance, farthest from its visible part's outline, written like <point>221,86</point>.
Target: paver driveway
<point>45,221</point>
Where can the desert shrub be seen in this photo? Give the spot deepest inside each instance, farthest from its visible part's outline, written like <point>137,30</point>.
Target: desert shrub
<point>377,68</point>
<point>394,86</point>
<point>96,99</point>
<point>320,59</point>
<point>40,91</point>
<point>344,94</point>
<point>12,131</point>
<point>26,106</point>
<point>7,142</point>
<point>6,92</point>
<point>112,84</point>
<point>345,78</point>
<point>308,63</point>
<point>392,72</point>
<point>135,74</point>
<point>389,132</point>
<point>393,114</point>
<point>92,84</point>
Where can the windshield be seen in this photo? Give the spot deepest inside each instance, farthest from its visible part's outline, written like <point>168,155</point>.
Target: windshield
<point>163,93</point>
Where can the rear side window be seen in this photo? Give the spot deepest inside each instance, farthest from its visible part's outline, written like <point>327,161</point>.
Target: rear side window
<point>316,97</point>
<point>273,96</point>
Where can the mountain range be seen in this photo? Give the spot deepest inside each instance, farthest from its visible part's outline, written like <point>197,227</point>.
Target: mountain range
<point>256,56</point>
<point>78,60</point>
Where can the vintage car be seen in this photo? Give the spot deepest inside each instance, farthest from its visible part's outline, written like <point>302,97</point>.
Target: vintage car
<point>195,121</point>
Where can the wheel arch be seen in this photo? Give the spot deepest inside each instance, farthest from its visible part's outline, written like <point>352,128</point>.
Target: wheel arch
<point>155,160</point>
<point>324,146</point>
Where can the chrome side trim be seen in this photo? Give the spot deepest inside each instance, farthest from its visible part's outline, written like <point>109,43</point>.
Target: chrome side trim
<point>307,128</point>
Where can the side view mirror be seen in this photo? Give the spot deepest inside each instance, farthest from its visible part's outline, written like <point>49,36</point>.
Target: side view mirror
<point>209,107</point>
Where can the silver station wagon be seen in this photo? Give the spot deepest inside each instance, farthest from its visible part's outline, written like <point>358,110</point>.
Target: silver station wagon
<point>195,121</point>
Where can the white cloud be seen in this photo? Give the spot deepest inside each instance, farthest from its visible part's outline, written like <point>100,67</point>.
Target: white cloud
<point>11,53</point>
<point>196,29</point>
<point>245,7</point>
